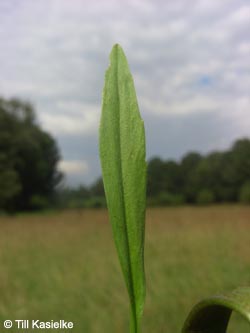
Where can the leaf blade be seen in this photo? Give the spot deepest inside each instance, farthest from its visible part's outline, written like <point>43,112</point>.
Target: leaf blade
<point>122,154</point>
<point>212,315</point>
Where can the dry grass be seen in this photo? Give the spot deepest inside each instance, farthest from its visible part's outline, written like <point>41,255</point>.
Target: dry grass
<point>64,266</point>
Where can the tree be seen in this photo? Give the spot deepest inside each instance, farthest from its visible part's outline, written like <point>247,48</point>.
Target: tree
<point>172,177</point>
<point>208,174</point>
<point>97,188</point>
<point>244,193</point>
<point>10,185</point>
<point>32,156</point>
<point>205,197</point>
<point>155,179</point>
<point>188,166</point>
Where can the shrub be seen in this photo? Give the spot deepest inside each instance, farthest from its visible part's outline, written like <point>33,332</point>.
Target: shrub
<point>205,197</point>
<point>95,202</point>
<point>244,194</point>
<point>38,202</point>
<point>169,199</point>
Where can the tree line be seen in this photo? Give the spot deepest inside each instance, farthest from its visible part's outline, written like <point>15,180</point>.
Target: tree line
<point>29,178</point>
<point>218,177</point>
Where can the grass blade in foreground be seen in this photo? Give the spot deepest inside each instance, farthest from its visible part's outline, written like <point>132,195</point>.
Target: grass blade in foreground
<point>212,314</point>
<point>122,153</point>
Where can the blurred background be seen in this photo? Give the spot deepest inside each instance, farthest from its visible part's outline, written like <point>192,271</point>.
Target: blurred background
<point>191,65</point>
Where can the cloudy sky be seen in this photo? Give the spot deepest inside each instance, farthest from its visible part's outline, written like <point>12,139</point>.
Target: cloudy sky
<point>190,60</point>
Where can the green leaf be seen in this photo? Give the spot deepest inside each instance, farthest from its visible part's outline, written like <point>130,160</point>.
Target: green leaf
<point>122,153</point>
<point>212,314</point>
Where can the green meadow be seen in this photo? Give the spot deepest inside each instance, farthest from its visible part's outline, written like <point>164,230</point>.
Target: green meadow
<point>64,266</point>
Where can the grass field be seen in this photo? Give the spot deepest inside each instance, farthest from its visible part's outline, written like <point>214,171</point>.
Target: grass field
<point>64,266</point>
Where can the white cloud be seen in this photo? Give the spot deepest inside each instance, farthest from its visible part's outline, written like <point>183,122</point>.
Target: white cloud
<point>240,16</point>
<point>71,119</point>
<point>189,105</point>
<point>73,167</point>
